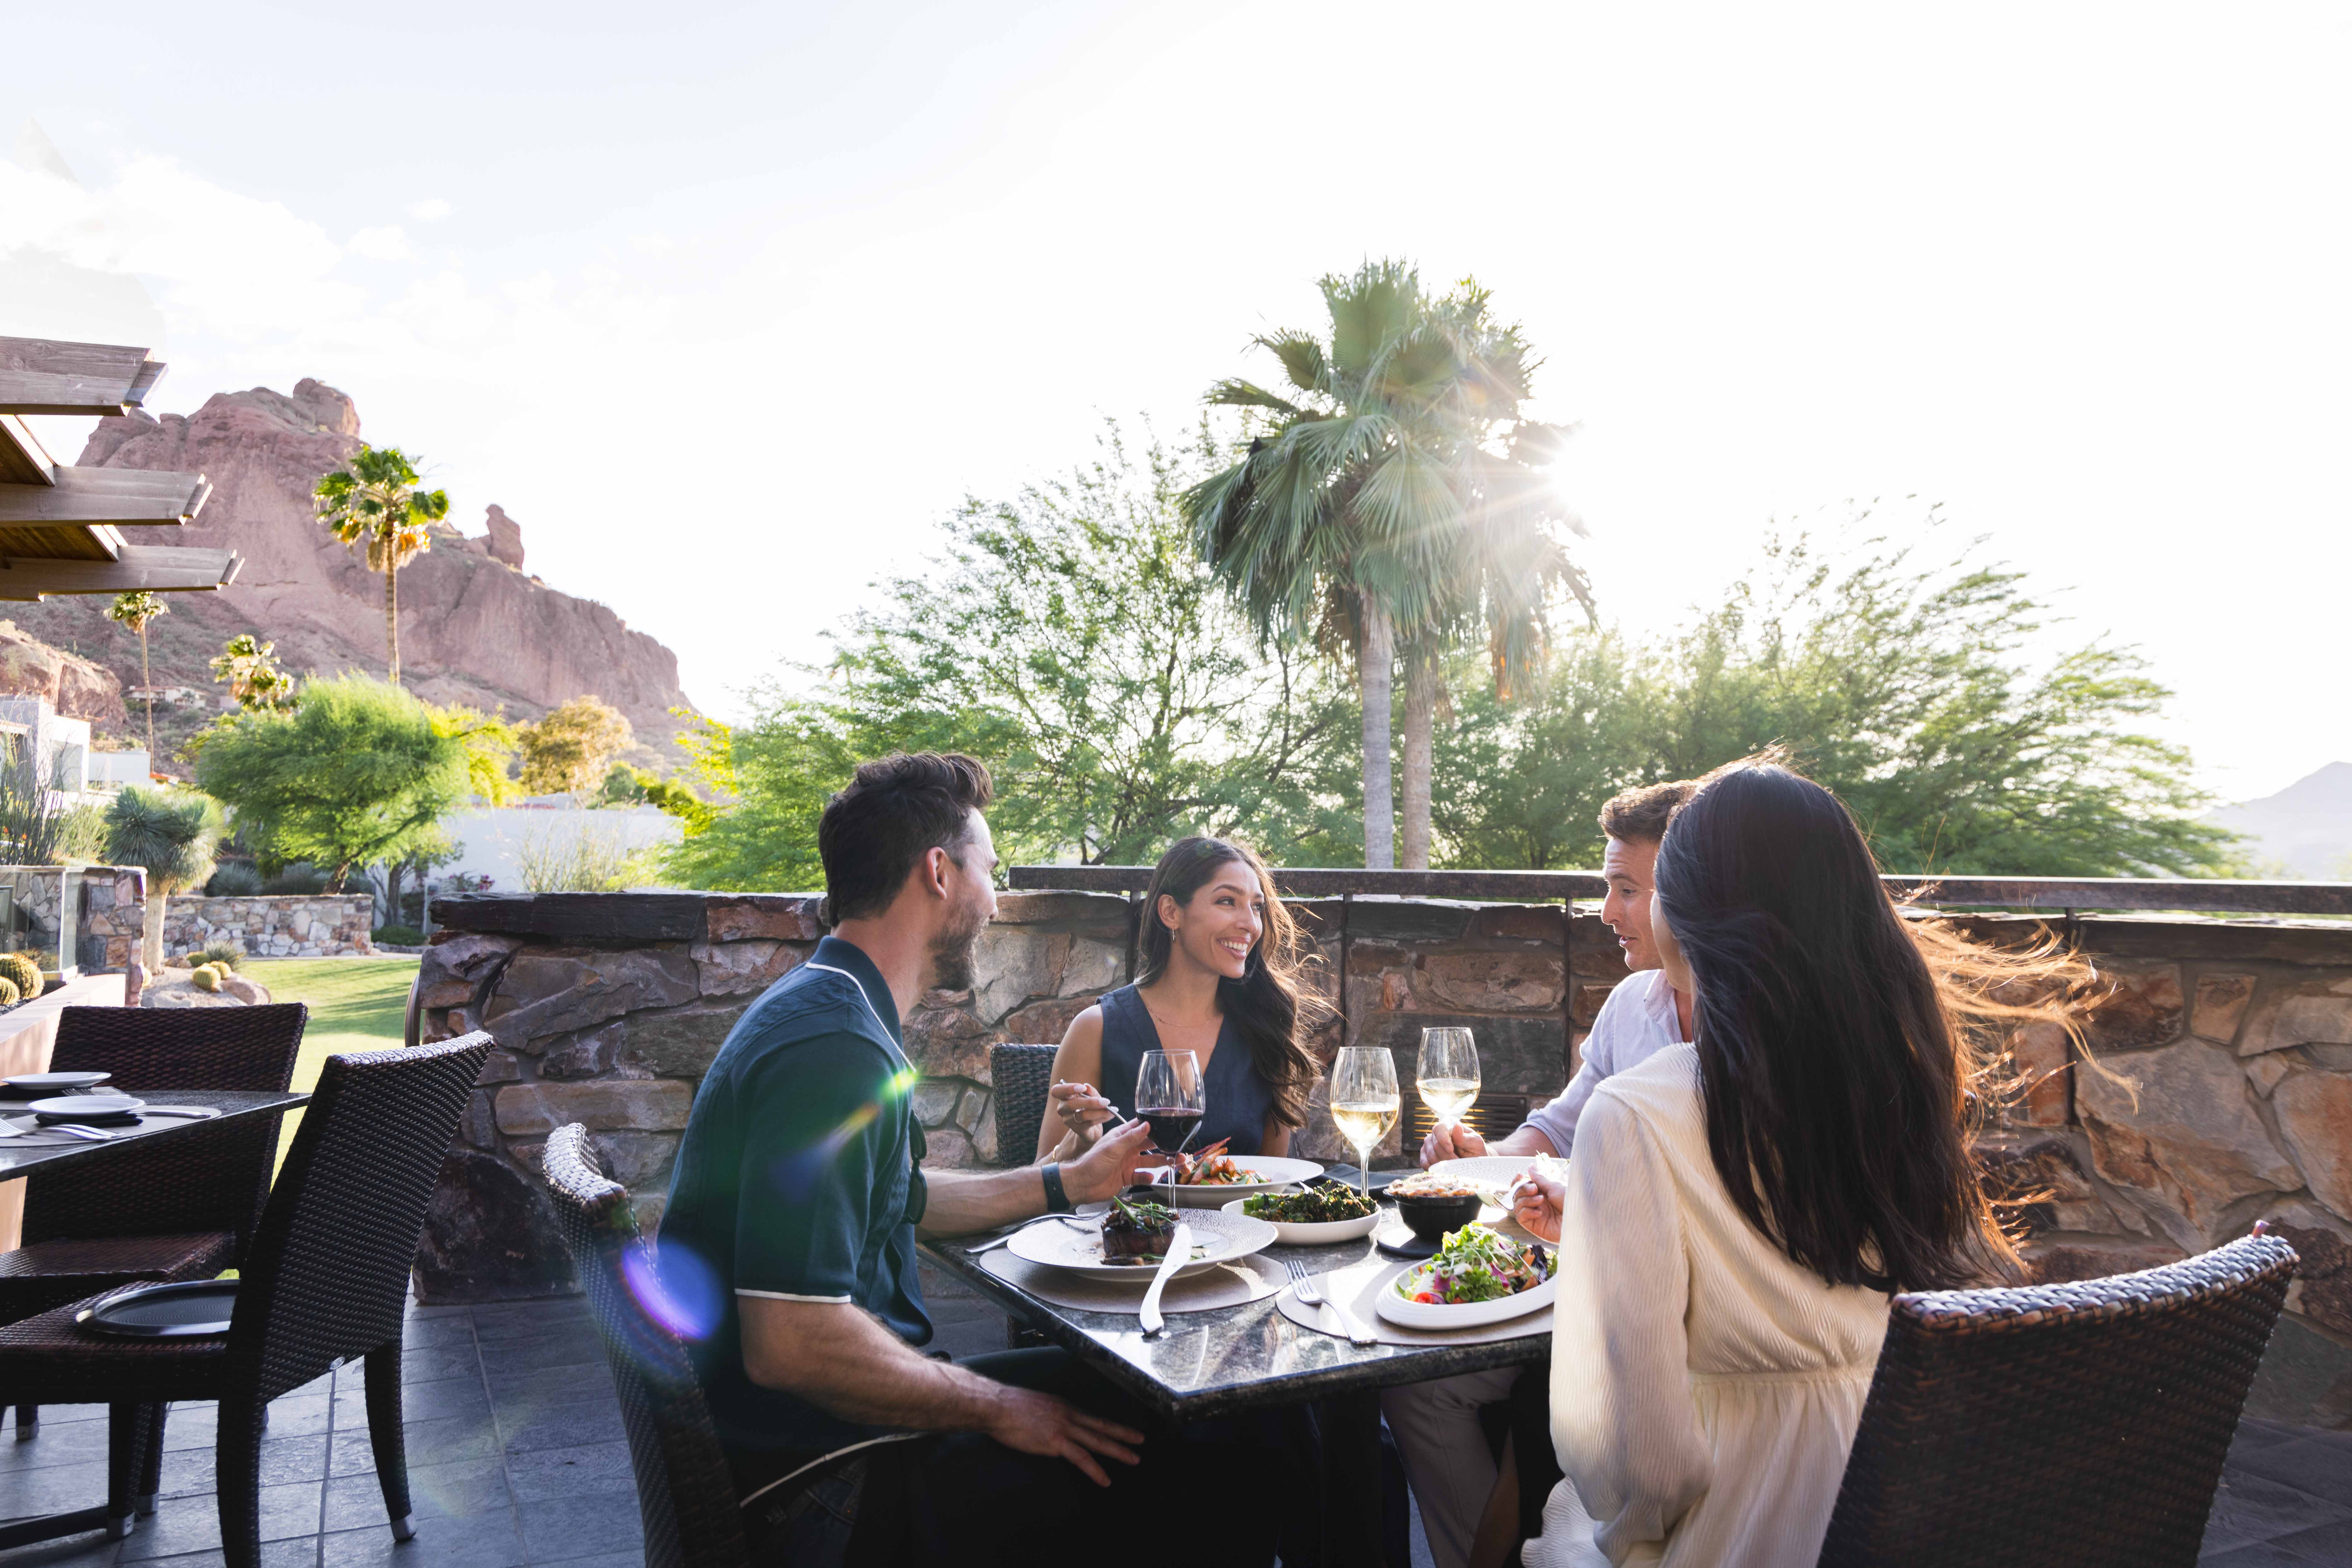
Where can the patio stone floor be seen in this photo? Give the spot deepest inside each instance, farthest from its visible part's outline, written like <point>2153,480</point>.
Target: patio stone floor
<point>517,1457</point>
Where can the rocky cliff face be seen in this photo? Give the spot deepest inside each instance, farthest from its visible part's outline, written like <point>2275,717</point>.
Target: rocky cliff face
<point>76,686</point>
<point>474,627</point>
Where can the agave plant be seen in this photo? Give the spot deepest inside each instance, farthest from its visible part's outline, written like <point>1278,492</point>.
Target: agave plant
<point>171,836</point>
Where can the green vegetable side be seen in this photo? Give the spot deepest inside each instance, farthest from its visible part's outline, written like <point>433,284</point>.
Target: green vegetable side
<point>1316,1206</point>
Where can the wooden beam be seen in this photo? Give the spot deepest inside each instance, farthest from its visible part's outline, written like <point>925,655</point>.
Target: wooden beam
<point>23,460</point>
<point>45,375</point>
<point>126,497</point>
<point>157,568</point>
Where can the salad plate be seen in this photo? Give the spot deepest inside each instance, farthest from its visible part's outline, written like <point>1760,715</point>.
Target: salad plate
<point>1473,1261</point>
<point>1260,1173</point>
<point>1306,1232</point>
<point>1217,1237</point>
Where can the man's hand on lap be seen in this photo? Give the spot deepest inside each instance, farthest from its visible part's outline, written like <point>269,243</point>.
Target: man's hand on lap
<point>1107,1168</point>
<point>1035,1423</point>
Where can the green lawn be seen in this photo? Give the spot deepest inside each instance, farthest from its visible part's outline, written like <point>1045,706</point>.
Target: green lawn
<point>356,1004</point>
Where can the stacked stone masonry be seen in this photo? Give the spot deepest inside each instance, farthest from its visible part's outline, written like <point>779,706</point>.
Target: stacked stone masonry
<point>272,925</point>
<point>2221,1094</point>
<point>109,903</point>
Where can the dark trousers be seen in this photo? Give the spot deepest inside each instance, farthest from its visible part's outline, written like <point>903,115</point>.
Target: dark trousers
<point>1210,1492</point>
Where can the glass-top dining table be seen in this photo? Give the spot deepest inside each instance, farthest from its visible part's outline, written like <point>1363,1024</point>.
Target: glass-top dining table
<point>1229,1359</point>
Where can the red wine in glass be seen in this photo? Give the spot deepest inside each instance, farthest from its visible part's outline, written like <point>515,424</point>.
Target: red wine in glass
<point>1168,1094</point>
<point>1172,1126</point>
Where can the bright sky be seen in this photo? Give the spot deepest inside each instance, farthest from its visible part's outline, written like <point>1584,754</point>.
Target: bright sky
<point>727,305</point>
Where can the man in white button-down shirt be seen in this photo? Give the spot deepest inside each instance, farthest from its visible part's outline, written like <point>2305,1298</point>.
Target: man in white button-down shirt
<point>1436,1423</point>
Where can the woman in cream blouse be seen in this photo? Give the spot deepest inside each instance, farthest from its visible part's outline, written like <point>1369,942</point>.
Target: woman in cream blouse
<point>1739,1208</point>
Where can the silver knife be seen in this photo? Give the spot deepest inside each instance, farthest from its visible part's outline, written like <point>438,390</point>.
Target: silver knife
<point>1180,1253</point>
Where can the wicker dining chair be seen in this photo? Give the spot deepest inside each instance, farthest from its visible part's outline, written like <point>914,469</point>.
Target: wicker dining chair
<point>685,1492</point>
<point>2081,1424</point>
<point>324,1283</point>
<point>181,1210</point>
<point>1019,1078</point>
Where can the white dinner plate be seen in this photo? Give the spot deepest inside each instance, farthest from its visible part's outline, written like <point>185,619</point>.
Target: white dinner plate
<point>79,1105</point>
<point>1408,1314</point>
<point>1217,1237</point>
<point>1289,1233</point>
<point>1273,1172</point>
<point>56,1082</point>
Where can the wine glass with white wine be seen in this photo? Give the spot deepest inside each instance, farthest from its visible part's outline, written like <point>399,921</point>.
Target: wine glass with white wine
<point>1364,1102</point>
<point>1447,1075</point>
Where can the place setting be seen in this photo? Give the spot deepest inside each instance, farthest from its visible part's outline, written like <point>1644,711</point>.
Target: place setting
<point>60,1109</point>
<point>1465,1272</point>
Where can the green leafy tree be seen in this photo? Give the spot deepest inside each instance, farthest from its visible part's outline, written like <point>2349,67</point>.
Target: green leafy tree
<point>356,773</point>
<point>375,500</point>
<point>1072,639</point>
<point>249,665</point>
<point>173,836</point>
<point>1392,496</point>
<point>572,749</point>
<point>491,744</point>
<point>135,610</point>
<point>1915,692</point>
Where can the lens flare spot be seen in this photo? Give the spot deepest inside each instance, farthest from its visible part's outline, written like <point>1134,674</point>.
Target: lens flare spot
<point>684,1296</point>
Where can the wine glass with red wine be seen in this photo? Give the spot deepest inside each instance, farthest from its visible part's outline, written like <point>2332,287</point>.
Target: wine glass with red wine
<point>1168,1094</point>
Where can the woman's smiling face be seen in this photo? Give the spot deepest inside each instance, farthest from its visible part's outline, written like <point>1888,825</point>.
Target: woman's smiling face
<point>1219,927</point>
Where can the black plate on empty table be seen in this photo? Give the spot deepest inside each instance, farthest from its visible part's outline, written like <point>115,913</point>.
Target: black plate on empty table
<point>179,1311</point>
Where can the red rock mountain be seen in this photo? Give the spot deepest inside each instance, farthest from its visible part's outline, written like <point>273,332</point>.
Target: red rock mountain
<point>473,627</point>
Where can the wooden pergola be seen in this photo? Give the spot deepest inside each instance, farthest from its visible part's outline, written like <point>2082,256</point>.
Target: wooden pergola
<point>63,528</point>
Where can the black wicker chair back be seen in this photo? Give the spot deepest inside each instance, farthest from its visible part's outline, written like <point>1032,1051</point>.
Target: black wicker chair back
<point>1018,1078</point>
<point>327,1276</point>
<point>212,1180</point>
<point>684,1489</point>
<point>2080,1424</point>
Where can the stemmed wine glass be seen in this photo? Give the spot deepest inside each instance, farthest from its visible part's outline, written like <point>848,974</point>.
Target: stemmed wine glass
<point>1447,1075</point>
<point>1168,1094</point>
<point>1364,1103</point>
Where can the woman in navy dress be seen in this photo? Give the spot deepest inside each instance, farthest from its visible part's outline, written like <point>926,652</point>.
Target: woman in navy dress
<point>1217,975</point>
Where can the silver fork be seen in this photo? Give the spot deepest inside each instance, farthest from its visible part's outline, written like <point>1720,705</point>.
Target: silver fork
<point>1302,1283</point>
<point>73,1129</point>
<point>1073,1221</point>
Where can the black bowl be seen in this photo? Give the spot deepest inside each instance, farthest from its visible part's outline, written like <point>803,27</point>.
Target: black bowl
<point>1430,1218</point>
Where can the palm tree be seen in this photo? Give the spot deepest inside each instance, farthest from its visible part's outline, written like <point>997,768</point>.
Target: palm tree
<point>171,836</point>
<point>135,610</point>
<point>1394,497</point>
<point>373,498</point>
<point>249,667</point>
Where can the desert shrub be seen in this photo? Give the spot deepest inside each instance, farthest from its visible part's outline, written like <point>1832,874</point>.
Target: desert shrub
<point>234,879</point>
<point>297,876</point>
<point>223,954</point>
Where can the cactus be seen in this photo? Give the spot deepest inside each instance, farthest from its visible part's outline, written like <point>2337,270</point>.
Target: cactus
<point>207,977</point>
<point>22,971</point>
<point>9,994</point>
<point>223,954</point>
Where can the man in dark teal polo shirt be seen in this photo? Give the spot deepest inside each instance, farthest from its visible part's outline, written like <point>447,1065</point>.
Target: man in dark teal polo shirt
<point>793,1209</point>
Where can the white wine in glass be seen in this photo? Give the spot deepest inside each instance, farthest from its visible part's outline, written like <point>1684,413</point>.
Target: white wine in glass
<point>1364,1103</point>
<point>1447,1076</point>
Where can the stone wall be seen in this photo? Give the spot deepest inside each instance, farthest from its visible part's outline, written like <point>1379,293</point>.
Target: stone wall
<point>113,915</point>
<point>272,925</point>
<point>2226,1094</point>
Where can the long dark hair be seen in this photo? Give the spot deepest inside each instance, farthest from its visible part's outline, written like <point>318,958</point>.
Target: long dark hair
<point>1268,1008</point>
<point>1837,1047</point>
